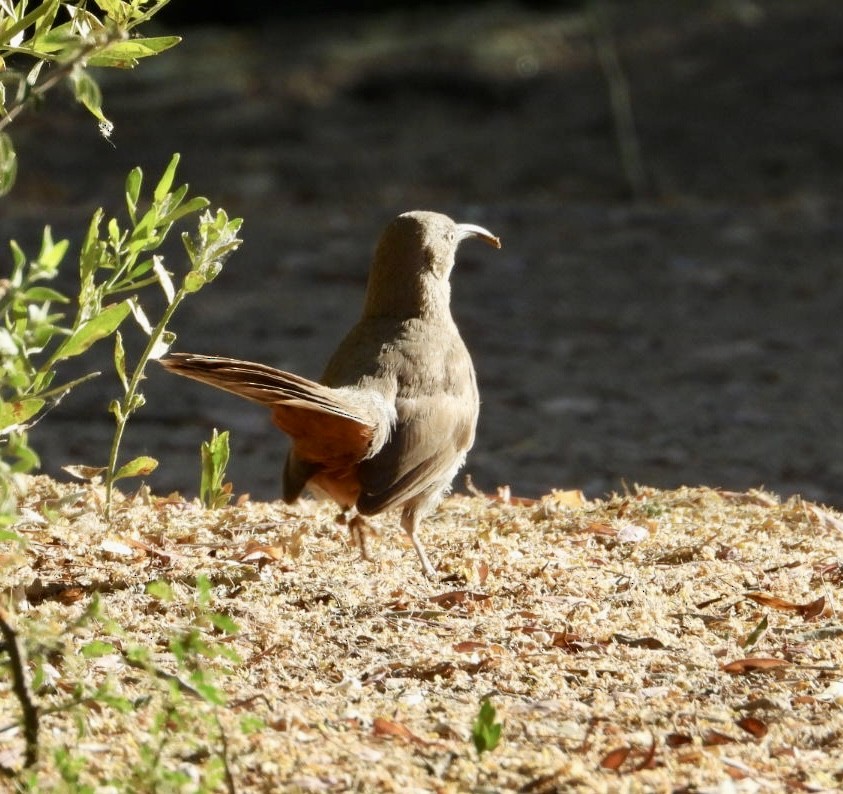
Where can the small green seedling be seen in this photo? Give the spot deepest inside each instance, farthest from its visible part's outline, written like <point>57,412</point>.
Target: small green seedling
<point>213,492</point>
<point>486,733</point>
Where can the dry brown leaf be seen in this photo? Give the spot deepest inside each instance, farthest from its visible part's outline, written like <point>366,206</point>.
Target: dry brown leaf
<point>752,725</point>
<point>715,738</point>
<point>454,597</point>
<point>678,740</point>
<point>650,643</point>
<point>753,664</point>
<point>808,611</point>
<point>596,528</point>
<point>255,551</point>
<point>615,758</point>
<point>384,727</point>
<point>774,602</point>
<point>813,609</point>
<point>482,572</point>
<point>82,472</point>
<point>152,550</point>
<point>70,595</point>
<point>469,646</point>
<point>574,498</point>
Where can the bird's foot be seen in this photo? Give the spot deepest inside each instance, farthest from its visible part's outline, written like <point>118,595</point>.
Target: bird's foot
<point>357,526</point>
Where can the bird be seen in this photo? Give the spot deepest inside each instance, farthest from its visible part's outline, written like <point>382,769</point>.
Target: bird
<point>391,419</point>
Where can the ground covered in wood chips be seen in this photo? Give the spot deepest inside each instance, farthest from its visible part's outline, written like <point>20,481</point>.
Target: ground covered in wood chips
<point>685,640</point>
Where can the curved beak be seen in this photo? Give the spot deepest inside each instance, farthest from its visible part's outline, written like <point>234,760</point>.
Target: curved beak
<point>465,230</point>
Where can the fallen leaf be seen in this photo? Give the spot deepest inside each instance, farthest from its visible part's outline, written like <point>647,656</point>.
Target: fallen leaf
<point>808,611</point>
<point>774,602</point>
<point>615,758</point>
<point>384,727</point>
<point>255,551</point>
<point>753,664</point>
<point>116,548</point>
<point>82,472</point>
<point>758,728</point>
<point>454,597</point>
<point>813,609</point>
<point>650,643</point>
<point>596,528</point>
<point>574,498</point>
<point>482,572</point>
<point>715,738</point>
<point>678,739</point>
<point>469,646</point>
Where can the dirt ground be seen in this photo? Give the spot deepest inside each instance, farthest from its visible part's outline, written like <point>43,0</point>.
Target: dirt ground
<point>681,641</point>
<point>689,337</point>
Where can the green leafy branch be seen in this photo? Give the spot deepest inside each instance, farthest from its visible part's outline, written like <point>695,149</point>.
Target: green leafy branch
<point>215,239</point>
<point>45,43</point>
<point>113,261</point>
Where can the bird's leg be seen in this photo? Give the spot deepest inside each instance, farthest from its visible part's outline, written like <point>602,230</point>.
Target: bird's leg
<point>357,527</point>
<point>410,521</point>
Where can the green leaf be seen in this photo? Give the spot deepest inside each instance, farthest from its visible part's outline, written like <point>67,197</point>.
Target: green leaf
<point>99,327</point>
<point>224,623</point>
<point>8,33</point>
<point>166,181</point>
<point>8,164</point>
<point>194,281</point>
<point>17,413</point>
<point>194,205</point>
<point>160,590</point>
<point>133,188</point>
<point>7,536</point>
<point>209,692</point>
<point>139,467</point>
<point>51,253</point>
<point>86,91</point>
<point>485,732</point>
<point>756,633</point>
<point>96,648</point>
<point>116,408</point>
<point>34,294</point>
<point>163,278</point>
<point>125,54</point>
<point>92,248</point>
<point>120,360</point>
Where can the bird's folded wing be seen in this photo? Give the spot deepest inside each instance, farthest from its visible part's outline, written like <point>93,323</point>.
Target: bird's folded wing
<point>423,452</point>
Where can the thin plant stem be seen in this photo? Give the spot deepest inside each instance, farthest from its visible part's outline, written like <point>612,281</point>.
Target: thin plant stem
<point>125,404</point>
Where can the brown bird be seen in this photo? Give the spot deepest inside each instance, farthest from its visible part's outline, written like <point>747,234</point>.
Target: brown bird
<point>391,419</point>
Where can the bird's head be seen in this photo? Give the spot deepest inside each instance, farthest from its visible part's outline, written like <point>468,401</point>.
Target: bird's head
<point>410,272</point>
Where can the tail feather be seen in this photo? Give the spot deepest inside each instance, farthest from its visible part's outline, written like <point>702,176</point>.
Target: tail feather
<point>261,384</point>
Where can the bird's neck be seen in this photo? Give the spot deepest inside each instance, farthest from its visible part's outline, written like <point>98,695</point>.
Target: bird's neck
<point>427,297</point>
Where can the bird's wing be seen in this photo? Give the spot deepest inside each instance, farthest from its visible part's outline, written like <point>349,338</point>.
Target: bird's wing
<point>427,446</point>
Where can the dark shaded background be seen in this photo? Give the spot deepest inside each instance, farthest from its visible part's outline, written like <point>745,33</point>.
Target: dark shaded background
<point>690,336</point>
